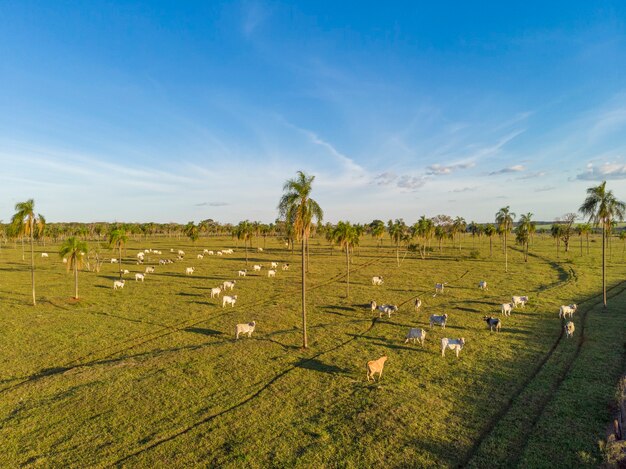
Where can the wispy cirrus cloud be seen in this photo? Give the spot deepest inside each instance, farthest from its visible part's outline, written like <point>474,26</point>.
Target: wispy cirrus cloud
<point>604,171</point>
<point>440,170</point>
<point>465,189</point>
<point>534,175</point>
<point>545,189</point>
<point>510,169</point>
<point>212,204</point>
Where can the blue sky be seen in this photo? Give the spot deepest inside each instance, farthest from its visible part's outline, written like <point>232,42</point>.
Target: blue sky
<point>179,111</point>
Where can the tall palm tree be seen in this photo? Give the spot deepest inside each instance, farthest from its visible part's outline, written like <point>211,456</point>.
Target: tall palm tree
<point>117,239</point>
<point>347,236</point>
<point>244,232</point>
<point>504,219</point>
<point>556,231</point>
<point>458,227</point>
<point>525,230</point>
<point>74,250</point>
<point>378,231</point>
<point>26,223</point>
<point>602,207</point>
<point>298,209</point>
<point>396,231</point>
<point>583,229</point>
<point>490,230</point>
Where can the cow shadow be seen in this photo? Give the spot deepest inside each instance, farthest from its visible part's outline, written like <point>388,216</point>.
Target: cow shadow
<point>317,365</point>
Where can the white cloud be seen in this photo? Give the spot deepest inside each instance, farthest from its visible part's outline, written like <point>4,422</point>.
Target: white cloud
<point>439,170</point>
<point>603,171</point>
<point>534,175</point>
<point>511,169</point>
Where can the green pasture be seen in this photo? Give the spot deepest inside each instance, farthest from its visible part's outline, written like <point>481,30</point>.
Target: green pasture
<point>151,376</point>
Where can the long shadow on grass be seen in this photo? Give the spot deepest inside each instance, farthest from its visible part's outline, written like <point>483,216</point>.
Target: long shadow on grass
<point>318,365</point>
<point>200,330</point>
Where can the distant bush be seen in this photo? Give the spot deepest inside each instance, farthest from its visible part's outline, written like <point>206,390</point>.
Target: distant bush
<point>474,254</point>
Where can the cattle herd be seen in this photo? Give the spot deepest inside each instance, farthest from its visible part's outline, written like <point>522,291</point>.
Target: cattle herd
<point>374,366</point>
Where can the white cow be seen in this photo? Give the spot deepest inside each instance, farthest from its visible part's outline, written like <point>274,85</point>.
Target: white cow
<point>206,251</point>
<point>200,256</point>
<point>439,320</point>
<point>228,285</point>
<point>189,270</point>
<point>416,334</point>
<point>418,304</point>
<point>149,270</point>
<point>242,273</point>
<point>482,285</point>
<point>114,261</point>
<point>139,277</point>
<point>271,273</point>
<point>125,272</point>
<point>519,300</point>
<point>181,252</point>
<point>260,249</point>
<point>569,329</point>
<point>566,311</point>
<point>44,255</point>
<point>65,260</point>
<point>118,284</point>
<point>377,280</point>
<point>256,267</point>
<point>373,306</point>
<point>439,287</point>
<point>452,344</point>
<point>229,300</point>
<point>245,329</point>
<point>285,266</point>
<point>273,265</point>
<point>507,308</point>
<point>211,253</point>
<point>388,309</point>
<point>216,292</point>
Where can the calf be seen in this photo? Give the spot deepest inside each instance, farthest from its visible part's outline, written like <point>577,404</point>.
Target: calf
<point>493,323</point>
<point>452,344</point>
<point>376,366</point>
<point>416,334</point>
<point>245,329</point>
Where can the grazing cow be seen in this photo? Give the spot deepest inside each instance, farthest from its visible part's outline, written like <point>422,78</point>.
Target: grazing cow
<point>373,306</point>
<point>125,272</point>
<point>220,253</point>
<point>271,273</point>
<point>211,253</point>
<point>216,292</point>
<point>418,304</point>
<point>439,287</point>
<point>229,300</point>
<point>256,267</point>
<point>149,270</point>
<point>507,308</point>
<point>228,285</point>
<point>139,277</point>
<point>44,255</point>
<point>416,334</point>
<point>452,344</point>
<point>388,309</point>
<point>200,256</point>
<point>245,329</point>
<point>242,273</point>
<point>118,284</point>
<point>569,329</point>
<point>482,285</point>
<point>378,280</point>
<point>273,265</point>
<point>181,253</point>
<point>285,266</point>
<point>114,261</point>
<point>376,366</point>
<point>206,251</point>
<point>519,300</point>
<point>493,323</point>
<point>259,249</point>
<point>189,270</point>
<point>439,320</point>
<point>566,311</point>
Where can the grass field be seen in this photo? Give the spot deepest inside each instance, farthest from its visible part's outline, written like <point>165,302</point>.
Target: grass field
<point>151,376</point>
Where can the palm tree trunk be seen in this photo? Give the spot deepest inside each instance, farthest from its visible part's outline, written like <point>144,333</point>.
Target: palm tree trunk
<point>506,256</point>
<point>490,247</point>
<point>246,247</point>
<point>348,272</point>
<point>22,248</point>
<point>581,246</point>
<point>603,267</point>
<point>32,262</point>
<point>119,261</point>
<point>398,253</point>
<point>76,278</point>
<point>305,342</point>
<point>587,243</point>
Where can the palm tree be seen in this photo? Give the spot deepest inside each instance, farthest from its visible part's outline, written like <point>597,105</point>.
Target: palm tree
<point>556,231</point>
<point>118,238</point>
<point>458,227</point>
<point>377,228</point>
<point>525,230</point>
<point>504,219</point>
<point>396,231</point>
<point>74,250</point>
<point>298,209</point>
<point>26,223</point>
<point>602,207</point>
<point>192,231</point>
<point>244,232</point>
<point>583,229</point>
<point>347,236</point>
<point>490,230</point>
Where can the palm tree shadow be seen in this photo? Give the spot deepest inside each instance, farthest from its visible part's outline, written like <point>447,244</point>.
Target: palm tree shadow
<point>317,365</point>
